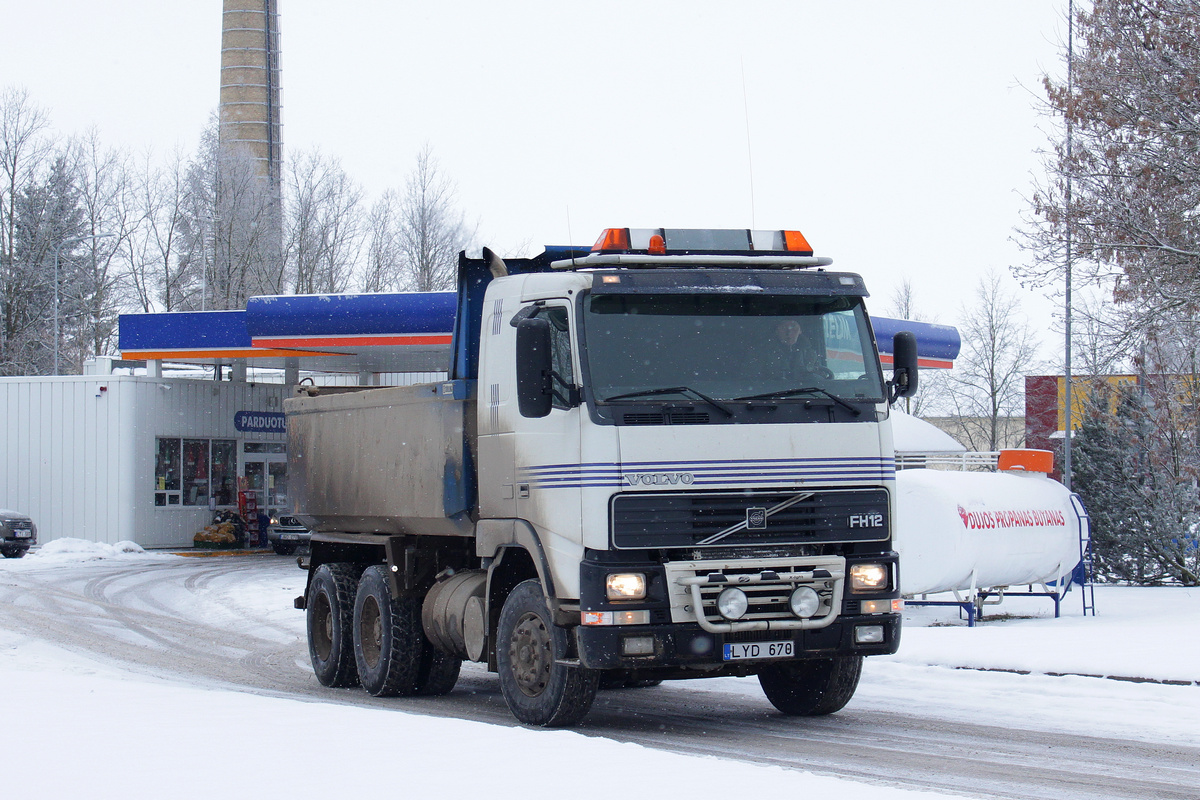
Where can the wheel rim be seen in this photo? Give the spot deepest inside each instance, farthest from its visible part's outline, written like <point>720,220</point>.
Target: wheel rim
<point>531,654</point>
<point>370,632</point>
<point>323,630</point>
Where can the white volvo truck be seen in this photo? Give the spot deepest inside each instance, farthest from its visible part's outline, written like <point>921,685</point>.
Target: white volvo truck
<point>668,457</point>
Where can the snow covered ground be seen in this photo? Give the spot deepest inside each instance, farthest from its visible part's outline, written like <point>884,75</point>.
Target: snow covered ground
<point>88,728</point>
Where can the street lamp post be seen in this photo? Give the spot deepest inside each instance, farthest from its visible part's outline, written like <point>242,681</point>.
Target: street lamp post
<point>57,249</point>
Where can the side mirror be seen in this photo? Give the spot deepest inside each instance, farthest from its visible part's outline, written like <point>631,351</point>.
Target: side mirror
<point>904,366</point>
<point>535,388</point>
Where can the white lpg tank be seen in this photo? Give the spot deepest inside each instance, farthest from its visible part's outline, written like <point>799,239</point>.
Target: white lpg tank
<point>965,530</point>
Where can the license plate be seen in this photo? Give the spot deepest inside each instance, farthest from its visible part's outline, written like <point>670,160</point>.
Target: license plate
<point>289,537</point>
<point>22,534</point>
<point>744,650</point>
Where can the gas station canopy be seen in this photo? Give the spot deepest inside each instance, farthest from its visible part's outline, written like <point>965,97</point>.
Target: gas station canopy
<point>373,333</point>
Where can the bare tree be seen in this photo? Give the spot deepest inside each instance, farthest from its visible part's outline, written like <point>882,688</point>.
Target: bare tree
<point>322,224</point>
<point>230,228</point>
<point>381,270</point>
<point>431,230</point>
<point>155,271</point>
<point>1124,174</point>
<point>25,150</point>
<point>999,349</point>
<point>91,283</point>
<point>931,396</point>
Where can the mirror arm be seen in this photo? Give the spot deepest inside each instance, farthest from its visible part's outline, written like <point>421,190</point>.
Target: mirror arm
<point>574,396</point>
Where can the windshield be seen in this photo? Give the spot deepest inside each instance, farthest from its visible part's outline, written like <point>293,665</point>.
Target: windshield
<point>730,346</point>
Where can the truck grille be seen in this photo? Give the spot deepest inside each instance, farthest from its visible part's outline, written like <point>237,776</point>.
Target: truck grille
<point>767,585</point>
<point>723,519</point>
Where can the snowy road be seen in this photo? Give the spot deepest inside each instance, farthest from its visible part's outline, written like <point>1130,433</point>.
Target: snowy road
<point>228,622</point>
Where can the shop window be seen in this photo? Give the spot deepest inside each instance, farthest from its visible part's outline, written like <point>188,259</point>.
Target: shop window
<point>191,471</point>
<point>265,447</point>
<point>277,484</point>
<point>224,471</point>
<point>166,473</point>
<point>195,472</point>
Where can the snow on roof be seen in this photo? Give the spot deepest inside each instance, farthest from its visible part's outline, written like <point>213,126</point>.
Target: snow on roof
<point>913,435</point>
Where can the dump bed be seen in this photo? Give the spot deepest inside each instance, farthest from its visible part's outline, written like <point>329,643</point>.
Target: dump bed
<point>390,460</point>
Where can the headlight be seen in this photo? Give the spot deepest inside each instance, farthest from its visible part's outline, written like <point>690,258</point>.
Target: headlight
<point>868,577</point>
<point>732,603</point>
<point>804,602</point>
<point>625,586</point>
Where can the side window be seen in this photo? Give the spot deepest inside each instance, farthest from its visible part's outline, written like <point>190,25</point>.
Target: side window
<point>560,352</point>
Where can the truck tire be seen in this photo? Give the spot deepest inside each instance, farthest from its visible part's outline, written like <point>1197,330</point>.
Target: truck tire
<point>538,688</point>
<point>330,619</point>
<point>388,641</point>
<point>438,673</point>
<point>811,688</point>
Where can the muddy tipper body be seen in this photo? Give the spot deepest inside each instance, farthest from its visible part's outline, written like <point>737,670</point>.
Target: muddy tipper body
<point>666,457</point>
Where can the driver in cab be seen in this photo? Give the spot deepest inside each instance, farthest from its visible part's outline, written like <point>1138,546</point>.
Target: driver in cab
<point>791,354</point>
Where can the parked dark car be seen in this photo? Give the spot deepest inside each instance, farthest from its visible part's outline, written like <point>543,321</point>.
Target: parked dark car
<point>17,534</point>
<point>287,534</point>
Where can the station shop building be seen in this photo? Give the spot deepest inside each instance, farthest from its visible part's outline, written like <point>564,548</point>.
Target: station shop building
<point>147,447</point>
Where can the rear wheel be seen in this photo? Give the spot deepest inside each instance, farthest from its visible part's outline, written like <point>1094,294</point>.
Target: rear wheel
<point>538,688</point>
<point>438,672</point>
<point>330,619</point>
<point>388,641</point>
<point>811,688</point>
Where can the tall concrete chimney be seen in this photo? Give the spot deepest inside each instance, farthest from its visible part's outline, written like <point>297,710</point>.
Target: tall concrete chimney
<point>250,93</point>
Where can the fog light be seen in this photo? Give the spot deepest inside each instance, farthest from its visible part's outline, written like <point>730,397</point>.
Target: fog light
<point>804,602</point>
<point>637,646</point>
<point>732,603</point>
<point>626,586</point>
<point>868,634</point>
<point>868,577</point>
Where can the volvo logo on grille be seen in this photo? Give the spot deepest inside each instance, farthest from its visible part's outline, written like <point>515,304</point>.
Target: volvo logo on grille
<point>756,519</point>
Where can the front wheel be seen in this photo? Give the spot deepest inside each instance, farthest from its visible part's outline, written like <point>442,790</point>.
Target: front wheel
<point>811,688</point>
<point>538,688</point>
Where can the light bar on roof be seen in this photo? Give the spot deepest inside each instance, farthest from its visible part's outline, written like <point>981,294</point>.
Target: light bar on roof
<point>693,241</point>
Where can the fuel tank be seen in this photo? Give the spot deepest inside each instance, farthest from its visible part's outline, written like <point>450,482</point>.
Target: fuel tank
<point>959,530</point>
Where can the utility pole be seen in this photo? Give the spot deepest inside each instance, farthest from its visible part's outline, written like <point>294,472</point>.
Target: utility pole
<point>1068,422</point>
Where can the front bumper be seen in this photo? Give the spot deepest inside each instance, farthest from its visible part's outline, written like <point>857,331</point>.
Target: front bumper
<point>688,648</point>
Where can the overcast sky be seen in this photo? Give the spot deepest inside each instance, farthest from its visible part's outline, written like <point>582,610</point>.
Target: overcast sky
<point>900,137</point>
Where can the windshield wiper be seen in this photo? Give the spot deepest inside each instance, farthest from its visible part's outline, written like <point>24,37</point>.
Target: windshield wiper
<point>684,390</point>
<point>805,390</point>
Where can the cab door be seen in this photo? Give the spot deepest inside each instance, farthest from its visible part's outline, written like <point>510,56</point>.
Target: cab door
<point>548,468</point>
